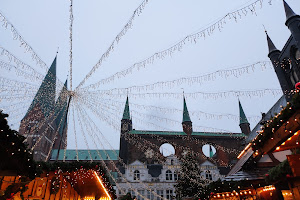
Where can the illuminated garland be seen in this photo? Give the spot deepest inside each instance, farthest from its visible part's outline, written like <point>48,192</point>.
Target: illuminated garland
<point>189,39</point>
<point>124,30</point>
<point>19,64</point>
<point>236,72</point>
<point>9,67</point>
<point>198,114</point>
<point>71,19</point>
<point>194,95</point>
<point>275,123</point>
<point>101,105</point>
<point>76,146</point>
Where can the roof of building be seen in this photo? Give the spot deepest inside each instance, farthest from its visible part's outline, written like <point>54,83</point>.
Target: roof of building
<point>126,113</point>
<point>242,175</point>
<point>208,134</point>
<point>288,11</point>
<point>186,116</point>
<point>84,155</point>
<point>243,118</point>
<point>271,45</point>
<point>45,96</point>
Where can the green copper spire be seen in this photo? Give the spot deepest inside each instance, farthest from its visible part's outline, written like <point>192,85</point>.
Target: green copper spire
<point>243,118</point>
<point>186,116</point>
<point>45,96</point>
<point>61,108</point>
<point>126,113</point>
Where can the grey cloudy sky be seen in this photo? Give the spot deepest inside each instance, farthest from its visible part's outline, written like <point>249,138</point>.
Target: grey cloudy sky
<point>45,26</point>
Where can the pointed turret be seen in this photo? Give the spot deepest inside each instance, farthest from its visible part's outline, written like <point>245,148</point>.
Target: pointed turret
<point>186,120</point>
<point>292,22</point>
<point>126,126</point>
<point>243,118</point>
<point>289,13</point>
<point>186,115</point>
<point>45,96</point>
<point>126,113</point>
<point>271,45</point>
<point>274,57</point>
<point>244,124</point>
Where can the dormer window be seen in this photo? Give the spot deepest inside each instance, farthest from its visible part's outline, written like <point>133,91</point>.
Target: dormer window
<point>169,175</point>
<point>136,175</point>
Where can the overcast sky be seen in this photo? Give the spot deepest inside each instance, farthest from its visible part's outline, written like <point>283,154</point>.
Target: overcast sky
<point>45,27</point>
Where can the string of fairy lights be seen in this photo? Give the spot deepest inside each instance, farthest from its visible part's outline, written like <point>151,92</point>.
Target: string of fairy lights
<point>189,39</point>
<point>224,73</point>
<point>138,11</point>
<point>118,106</point>
<point>109,112</point>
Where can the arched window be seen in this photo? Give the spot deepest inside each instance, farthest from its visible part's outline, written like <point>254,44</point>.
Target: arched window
<point>169,175</point>
<point>208,175</point>
<point>136,175</point>
<point>176,174</point>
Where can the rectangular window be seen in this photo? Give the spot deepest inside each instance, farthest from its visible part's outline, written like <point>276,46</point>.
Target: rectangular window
<point>161,194</point>
<point>150,194</point>
<point>141,194</point>
<point>169,194</point>
<point>132,193</point>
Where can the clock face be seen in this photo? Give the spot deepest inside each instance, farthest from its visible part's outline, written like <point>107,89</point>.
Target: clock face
<point>297,55</point>
<point>124,127</point>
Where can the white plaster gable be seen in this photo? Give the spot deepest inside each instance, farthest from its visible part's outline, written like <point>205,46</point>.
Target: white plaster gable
<point>281,155</point>
<point>207,163</point>
<point>265,158</point>
<point>137,163</point>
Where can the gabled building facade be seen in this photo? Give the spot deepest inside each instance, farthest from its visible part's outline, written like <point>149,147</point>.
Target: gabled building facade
<point>144,145</point>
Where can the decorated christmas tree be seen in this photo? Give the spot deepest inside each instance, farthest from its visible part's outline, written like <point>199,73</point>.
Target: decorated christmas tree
<point>16,160</point>
<point>190,182</point>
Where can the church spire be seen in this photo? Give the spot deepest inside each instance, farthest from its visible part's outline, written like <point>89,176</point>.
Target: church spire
<point>45,96</point>
<point>244,124</point>
<point>186,116</point>
<point>186,120</point>
<point>243,118</point>
<point>126,113</point>
<point>288,11</point>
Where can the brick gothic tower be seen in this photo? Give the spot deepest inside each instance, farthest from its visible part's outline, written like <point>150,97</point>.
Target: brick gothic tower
<point>126,126</point>
<point>244,124</point>
<point>44,124</point>
<point>287,62</point>
<point>37,124</point>
<point>186,120</point>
